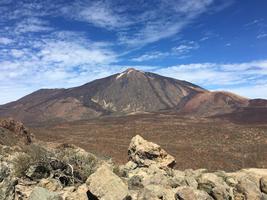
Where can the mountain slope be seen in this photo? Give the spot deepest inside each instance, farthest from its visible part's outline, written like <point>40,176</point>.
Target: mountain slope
<point>255,112</point>
<point>131,91</point>
<point>214,103</point>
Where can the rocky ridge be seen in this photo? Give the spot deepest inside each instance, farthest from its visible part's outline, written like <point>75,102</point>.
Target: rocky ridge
<point>33,172</point>
<point>14,132</point>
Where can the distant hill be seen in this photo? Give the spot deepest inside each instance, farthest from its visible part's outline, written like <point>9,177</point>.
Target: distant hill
<point>129,92</point>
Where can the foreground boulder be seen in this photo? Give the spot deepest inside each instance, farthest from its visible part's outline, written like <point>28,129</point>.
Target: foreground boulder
<point>145,153</point>
<point>105,185</point>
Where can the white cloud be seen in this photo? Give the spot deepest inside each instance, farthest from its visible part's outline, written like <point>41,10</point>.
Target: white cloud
<point>69,53</point>
<point>243,78</point>
<point>204,38</point>
<point>262,35</point>
<point>138,23</point>
<point>98,13</point>
<point>181,51</point>
<point>54,60</point>
<point>150,56</point>
<point>5,40</point>
<point>32,24</point>
<point>253,91</point>
<point>185,48</point>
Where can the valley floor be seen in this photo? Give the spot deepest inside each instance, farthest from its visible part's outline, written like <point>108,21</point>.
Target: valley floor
<point>195,143</point>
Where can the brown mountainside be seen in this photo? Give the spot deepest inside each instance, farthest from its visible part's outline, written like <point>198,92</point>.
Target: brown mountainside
<point>129,92</point>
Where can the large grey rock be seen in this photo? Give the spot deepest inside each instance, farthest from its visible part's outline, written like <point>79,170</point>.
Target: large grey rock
<point>105,185</point>
<point>39,193</point>
<point>145,153</point>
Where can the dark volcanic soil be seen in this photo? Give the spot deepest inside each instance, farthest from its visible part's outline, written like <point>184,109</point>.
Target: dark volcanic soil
<point>196,143</point>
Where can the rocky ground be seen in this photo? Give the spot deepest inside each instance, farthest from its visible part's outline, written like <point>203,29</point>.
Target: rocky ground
<point>29,170</point>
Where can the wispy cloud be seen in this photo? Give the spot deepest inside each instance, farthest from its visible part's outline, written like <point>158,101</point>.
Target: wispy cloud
<point>250,91</point>
<point>150,56</point>
<point>54,60</point>
<point>98,13</point>
<point>140,17</point>
<point>32,25</point>
<point>185,47</point>
<point>235,77</point>
<point>182,50</point>
<point>5,40</point>
<point>262,35</point>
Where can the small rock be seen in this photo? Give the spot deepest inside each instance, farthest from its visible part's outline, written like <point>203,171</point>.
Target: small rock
<point>79,194</point>
<point>38,171</point>
<point>189,193</point>
<point>43,194</point>
<point>135,183</point>
<point>156,192</point>
<point>50,184</point>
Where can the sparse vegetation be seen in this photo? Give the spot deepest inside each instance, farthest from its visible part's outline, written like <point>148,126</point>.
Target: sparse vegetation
<point>84,164</point>
<point>21,163</point>
<point>30,155</point>
<point>75,164</point>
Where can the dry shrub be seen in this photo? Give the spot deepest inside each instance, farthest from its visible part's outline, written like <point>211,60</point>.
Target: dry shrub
<point>84,164</point>
<point>21,163</point>
<point>30,155</point>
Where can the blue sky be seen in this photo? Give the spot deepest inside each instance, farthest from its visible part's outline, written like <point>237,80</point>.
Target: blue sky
<point>217,44</point>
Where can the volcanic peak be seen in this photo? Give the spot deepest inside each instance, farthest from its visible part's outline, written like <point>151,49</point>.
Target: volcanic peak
<point>128,72</point>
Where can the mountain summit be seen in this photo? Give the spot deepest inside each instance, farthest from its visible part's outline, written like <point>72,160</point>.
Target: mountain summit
<point>129,92</point>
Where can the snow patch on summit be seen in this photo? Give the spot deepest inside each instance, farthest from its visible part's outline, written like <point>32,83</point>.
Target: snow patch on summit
<point>120,75</point>
<point>128,71</point>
